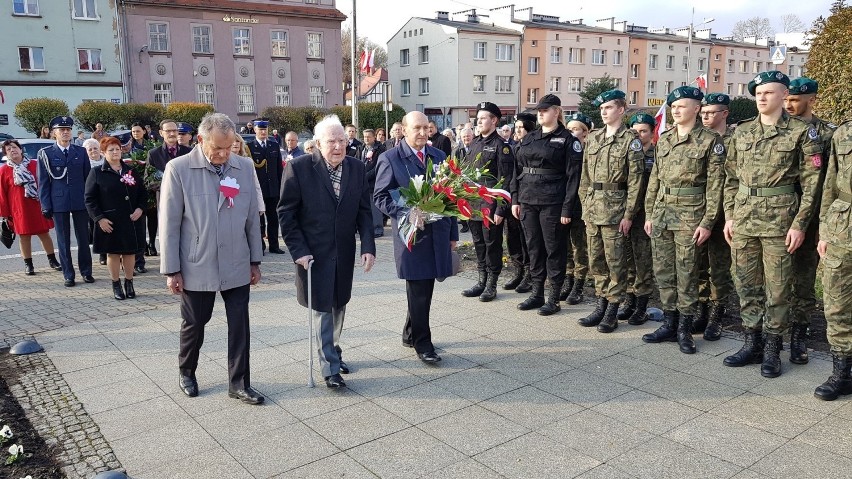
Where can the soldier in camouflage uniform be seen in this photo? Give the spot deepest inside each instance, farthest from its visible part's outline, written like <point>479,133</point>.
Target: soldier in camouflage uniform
<point>714,266</point>
<point>765,218</point>
<point>683,200</point>
<point>800,102</point>
<point>835,248</point>
<point>609,189</point>
<point>578,254</point>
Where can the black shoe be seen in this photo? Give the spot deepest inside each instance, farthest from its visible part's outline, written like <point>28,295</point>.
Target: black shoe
<point>665,333</point>
<point>147,251</point>
<point>525,285</point>
<point>51,260</point>
<point>152,250</point>
<point>69,283</point>
<point>465,228</point>
<point>597,315</point>
<point>771,367</point>
<point>102,259</point>
<point>276,250</point>
<point>344,368</point>
<point>799,344</point>
<point>490,291</point>
<point>477,288</point>
<point>609,322</point>
<point>516,279</point>
<point>713,331</point>
<point>188,385</point>
<point>429,358</point>
<point>576,294</point>
<point>684,335</point>
<point>839,383</point>
<point>567,286</point>
<point>639,315</point>
<point>629,307</point>
<point>247,395</point>
<point>89,279</point>
<point>750,353</point>
<point>378,233</point>
<point>129,291</point>
<point>140,269</point>
<point>29,269</point>
<point>335,381</point>
<point>117,292</point>
<point>536,299</point>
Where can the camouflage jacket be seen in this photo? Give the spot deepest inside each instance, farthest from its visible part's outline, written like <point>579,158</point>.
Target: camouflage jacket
<point>774,156</point>
<point>613,162</point>
<point>695,161</point>
<point>836,218</point>
<point>826,131</point>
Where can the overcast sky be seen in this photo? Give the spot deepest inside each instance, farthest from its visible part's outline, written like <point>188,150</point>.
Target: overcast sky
<point>379,20</point>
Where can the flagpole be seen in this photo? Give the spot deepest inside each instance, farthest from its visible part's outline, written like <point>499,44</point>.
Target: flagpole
<point>355,81</point>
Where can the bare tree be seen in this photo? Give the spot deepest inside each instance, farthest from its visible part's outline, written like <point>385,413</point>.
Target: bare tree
<point>792,23</point>
<point>753,27</point>
<point>364,44</point>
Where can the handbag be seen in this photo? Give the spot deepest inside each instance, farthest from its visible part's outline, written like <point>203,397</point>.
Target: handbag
<point>7,236</point>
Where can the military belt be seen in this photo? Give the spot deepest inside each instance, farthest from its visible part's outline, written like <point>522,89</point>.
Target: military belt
<point>542,171</point>
<point>610,186</point>
<point>844,196</point>
<point>774,191</point>
<point>688,191</point>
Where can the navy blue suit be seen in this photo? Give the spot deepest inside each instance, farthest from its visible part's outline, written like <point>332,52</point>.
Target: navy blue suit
<point>269,176</point>
<point>61,191</point>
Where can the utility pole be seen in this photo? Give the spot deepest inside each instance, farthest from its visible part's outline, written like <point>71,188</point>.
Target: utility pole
<point>355,81</point>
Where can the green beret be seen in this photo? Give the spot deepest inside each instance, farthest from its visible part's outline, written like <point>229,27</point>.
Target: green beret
<point>716,99</point>
<point>803,86</point>
<point>607,96</point>
<point>773,76</point>
<point>582,119</point>
<point>688,92</point>
<point>643,118</point>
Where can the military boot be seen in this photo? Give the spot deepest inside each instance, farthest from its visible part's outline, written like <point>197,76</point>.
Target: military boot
<point>516,279</point>
<point>666,332</point>
<point>799,344</point>
<point>536,299</point>
<point>629,306</point>
<point>526,283</point>
<point>479,287</point>
<point>750,353</point>
<point>713,331</point>
<point>684,334</point>
<point>639,315</point>
<point>771,367</point>
<point>566,287</point>
<point>839,383</point>
<point>576,295</point>
<point>597,315</point>
<point>700,323</point>
<point>609,323</point>
<point>552,304</point>
<point>490,291</point>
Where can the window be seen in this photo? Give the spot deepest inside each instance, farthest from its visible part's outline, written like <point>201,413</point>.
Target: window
<point>204,93</point>
<point>424,86</point>
<point>32,58</point>
<point>282,95</point>
<point>731,64</point>
<point>201,39</point>
<point>669,62</point>
<point>505,52</point>
<point>163,93</point>
<point>503,84</point>
<point>158,37</point>
<point>479,83</point>
<point>575,55</point>
<point>480,50</point>
<point>716,78</point>
<point>729,88</point>
<point>279,43</point>
<point>423,54</point>
<point>598,57</point>
<point>755,67</point>
<point>743,66</point>
<point>404,58</point>
<point>668,87</point>
<point>317,97</point>
<point>616,82</point>
<point>652,87</point>
<point>25,7</point>
<point>85,9</point>
<point>634,97</point>
<point>575,85</point>
<point>717,57</point>
<point>652,62</point>
<point>741,89</point>
<point>634,71</point>
<point>701,65</point>
<point>555,54</point>
<point>314,45</point>
<point>245,95</point>
<point>532,65</point>
<point>405,87</point>
<point>242,42</point>
<point>617,57</point>
<point>89,60</point>
<point>555,84</point>
<point>532,95</point>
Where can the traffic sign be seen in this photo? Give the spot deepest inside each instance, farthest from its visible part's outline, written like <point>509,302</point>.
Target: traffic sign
<point>4,119</point>
<point>778,54</point>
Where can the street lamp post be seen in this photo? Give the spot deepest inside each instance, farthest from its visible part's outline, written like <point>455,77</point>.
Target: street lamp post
<point>689,42</point>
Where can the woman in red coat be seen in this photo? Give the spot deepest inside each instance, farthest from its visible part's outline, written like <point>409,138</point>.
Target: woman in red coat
<point>19,204</point>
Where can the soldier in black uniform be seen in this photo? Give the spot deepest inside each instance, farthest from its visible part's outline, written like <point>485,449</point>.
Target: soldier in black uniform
<point>516,242</point>
<point>489,152</point>
<point>266,154</point>
<point>544,197</point>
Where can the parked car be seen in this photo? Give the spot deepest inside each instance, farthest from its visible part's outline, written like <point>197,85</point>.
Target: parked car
<point>31,146</point>
<point>122,135</point>
<point>4,137</point>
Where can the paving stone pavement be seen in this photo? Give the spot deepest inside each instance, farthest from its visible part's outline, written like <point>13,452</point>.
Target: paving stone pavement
<point>517,395</point>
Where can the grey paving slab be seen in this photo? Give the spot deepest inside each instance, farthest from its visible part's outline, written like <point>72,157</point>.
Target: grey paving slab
<point>304,402</point>
<point>118,394</point>
<point>798,386</point>
<point>626,370</point>
<point>582,388</point>
<point>451,363</point>
<point>138,418</point>
<point>238,422</point>
<point>408,453</point>
<point>695,392</point>
<point>647,411</point>
<point>770,415</point>
<point>199,465</point>
<point>379,378</point>
<point>831,434</point>
<point>473,429</point>
<point>339,465</point>
<point>534,455</point>
<point>355,425</point>
<point>605,471</point>
<point>477,384</point>
<point>527,367</point>
<point>574,352</point>
<point>281,449</point>
<point>595,435</point>
<point>422,402</point>
<point>464,469</point>
<point>660,458</point>
<point>797,459</point>
<point>530,407</point>
<point>108,373</point>
<point>175,441</point>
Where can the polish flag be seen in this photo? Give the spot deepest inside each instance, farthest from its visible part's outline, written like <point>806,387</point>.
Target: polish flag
<point>660,119</point>
<point>362,61</point>
<point>701,81</point>
<point>370,60</point>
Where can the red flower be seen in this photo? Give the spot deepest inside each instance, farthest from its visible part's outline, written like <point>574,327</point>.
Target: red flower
<point>437,188</point>
<point>484,194</point>
<point>486,221</point>
<point>449,192</point>
<point>469,188</point>
<point>454,167</point>
<point>464,208</point>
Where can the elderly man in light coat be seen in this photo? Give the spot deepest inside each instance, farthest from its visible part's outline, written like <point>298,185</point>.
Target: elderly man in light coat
<point>210,233</point>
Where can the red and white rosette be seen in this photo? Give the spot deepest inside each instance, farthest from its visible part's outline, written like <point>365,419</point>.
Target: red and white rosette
<point>230,189</point>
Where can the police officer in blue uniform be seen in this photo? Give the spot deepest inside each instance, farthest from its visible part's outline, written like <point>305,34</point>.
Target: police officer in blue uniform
<point>62,172</point>
<point>266,154</point>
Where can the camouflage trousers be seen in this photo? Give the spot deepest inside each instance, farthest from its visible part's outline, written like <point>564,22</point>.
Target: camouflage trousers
<point>640,266</point>
<point>805,261</point>
<point>676,269</point>
<point>837,296</point>
<point>714,266</point>
<point>606,261</point>
<point>762,268</point>
<point>578,253</point>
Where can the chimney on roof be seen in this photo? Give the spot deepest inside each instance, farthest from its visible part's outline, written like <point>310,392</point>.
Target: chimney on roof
<point>472,17</point>
<point>620,26</point>
<point>706,34</point>
<point>607,23</point>
<point>578,21</point>
<point>683,32</point>
<point>443,15</point>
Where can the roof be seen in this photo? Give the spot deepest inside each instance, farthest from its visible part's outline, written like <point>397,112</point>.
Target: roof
<point>473,27</point>
<point>577,27</point>
<point>368,83</point>
<point>247,7</point>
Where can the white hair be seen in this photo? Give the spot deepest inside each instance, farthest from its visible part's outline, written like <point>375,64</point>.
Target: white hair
<point>89,142</point>
<point>325,125</point>
<point>308,144</point>
<point>216,121</point>
<point>465,131</point>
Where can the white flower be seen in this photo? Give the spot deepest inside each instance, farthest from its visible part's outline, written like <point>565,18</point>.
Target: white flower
<point>418,182</point>
<point>16,449</point>
<point>6,432</point>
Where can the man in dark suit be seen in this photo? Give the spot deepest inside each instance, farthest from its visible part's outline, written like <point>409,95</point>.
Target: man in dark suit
<point>158,158</point>
<point>438,140</point>
<point>266,154</point>
<point>465,140</point>
<point>396,136</point>
<point>431,256</point>
<point>324,201</point>
<point>62,172</point>
<point>353,143</point>
<point>369,153</point>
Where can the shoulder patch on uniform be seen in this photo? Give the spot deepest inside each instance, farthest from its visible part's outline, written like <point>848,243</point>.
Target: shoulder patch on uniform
<point>719,149</point>
<point>812,133</point>
<point>505,150</point>
<point>636,145</point>
<point>578,147</point>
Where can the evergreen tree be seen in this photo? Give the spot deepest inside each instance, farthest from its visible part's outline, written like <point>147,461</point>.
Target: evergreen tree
<point>592,89</point>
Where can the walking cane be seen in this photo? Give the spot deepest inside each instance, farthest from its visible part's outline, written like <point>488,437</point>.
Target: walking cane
<point>310,329</point>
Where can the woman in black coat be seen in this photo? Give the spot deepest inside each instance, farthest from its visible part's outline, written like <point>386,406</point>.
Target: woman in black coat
<point>115,197</point>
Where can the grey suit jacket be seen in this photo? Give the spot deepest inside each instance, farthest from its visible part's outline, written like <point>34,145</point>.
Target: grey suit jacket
<point>210,244</point>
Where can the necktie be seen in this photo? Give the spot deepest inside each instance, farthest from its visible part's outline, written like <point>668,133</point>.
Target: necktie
<point>218,169</point>
<point>420,155</point>
<point>172,151</point>
<point>65,153</point>
<point>263,144</point>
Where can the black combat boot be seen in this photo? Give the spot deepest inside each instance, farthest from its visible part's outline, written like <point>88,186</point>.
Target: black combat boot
<point>51,260</point>
<point>639,315</point>
<point>516,279</point>
<point>128,289</point>
<point>479,287</point>
<point>536,299</point>
<point>29,269</point>
<point>699,325</point>
<point>576,296</point>
<point>750,353</point>
<point>566,287</point>
<point>666,332</point>
<point>771,367</point>
<point>839,383</point>
<point>597,315</point>
<point>713,331</point>
<point>629,306</point>
<point>526,283</point>
<point>490,291</point>
<point>684,334</point>
<point>117,292</point>
<point>609,323</point>
<point>552,304</point>
<point>799,344</point>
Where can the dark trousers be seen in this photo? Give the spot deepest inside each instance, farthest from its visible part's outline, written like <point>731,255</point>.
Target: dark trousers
<point>196,308</point>
<point>516,243</point>
<point>416,330</point>
<point>546,241</point>
<point>488,244</point>
<point>139,228</point>
<point>151,218</point>
<point>269,222</point>
<point>63,221</point>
